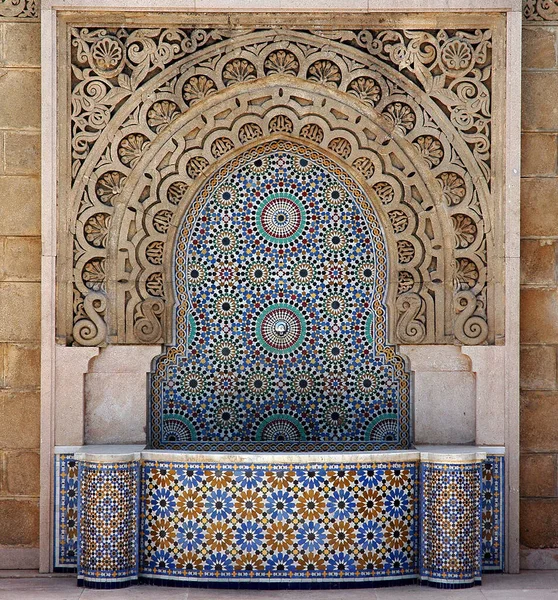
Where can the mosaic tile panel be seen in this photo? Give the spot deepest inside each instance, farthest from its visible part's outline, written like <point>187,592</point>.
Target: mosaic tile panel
<point>281,272</point>
<point>493,513</point>
<point>300,523</point>
<point>108,511</point>
<point>65,512</point>
<point>450,552</point>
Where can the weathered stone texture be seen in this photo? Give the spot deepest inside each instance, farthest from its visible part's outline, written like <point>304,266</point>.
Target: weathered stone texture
<point>539,415</point>
<point>538,475</point>
<point>539,522</point>
<point>22,153</point>
<point>539,106</point>
<point>22,366</point>
<point>20,272</point>
<point>539,154</point>
<point>19,426</point>
<point>539,203</point>
<point>539,316</point>
<point>539,48</point>
<point>538,262</point>
<point>20,259</point>
<point>20,106</point>
<point>20,314</point>
<point>22,45</point>
<point>538,367</point>
<point>21,209</point>
<point>19,522</point>
<point>539,295</point>
<point>22,473</point>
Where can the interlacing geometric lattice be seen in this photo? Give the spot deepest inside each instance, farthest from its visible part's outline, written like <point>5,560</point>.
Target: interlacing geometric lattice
<point>281,277</point>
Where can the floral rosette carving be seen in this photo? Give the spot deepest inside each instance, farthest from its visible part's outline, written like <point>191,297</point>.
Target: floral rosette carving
<point>113,71</point>
<point>453,69</point>
<point>540,10</point>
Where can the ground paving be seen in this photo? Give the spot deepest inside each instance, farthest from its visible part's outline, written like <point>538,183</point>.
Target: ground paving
<point>529,585</point>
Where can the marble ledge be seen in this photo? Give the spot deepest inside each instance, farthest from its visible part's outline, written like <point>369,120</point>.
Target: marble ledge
<point>423,453</point>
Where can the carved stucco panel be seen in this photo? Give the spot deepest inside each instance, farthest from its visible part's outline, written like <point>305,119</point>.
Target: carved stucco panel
<point>154,111</point>
<point>19,9</point>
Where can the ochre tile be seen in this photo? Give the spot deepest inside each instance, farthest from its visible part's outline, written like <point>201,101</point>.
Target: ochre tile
<point>539,415</point>
<point>538,367</point>
<point>539,316</point>
<point>538,102</point>
<point>19,522</point>
<point>20,308</point>
<point>22,153</point>
<point>20,422</point>
<point>539,48</point>
<point>22,366</point>
<point>538,475</point>
<point>539,154</point>
<point>22,44</point>
<point>22,473</point>
<point>538,261</point>
<point>22,259</point>
<point>539,523</point>
<point>539,199</point>
<point>21,205</point>
<point>20,99</point>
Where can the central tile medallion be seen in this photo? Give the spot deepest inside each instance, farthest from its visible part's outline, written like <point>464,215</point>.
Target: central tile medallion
<point>281,275</point>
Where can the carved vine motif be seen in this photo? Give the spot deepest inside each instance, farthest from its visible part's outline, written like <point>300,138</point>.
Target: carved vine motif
<point>109,66</point>
<point>22,9</point>
<point>132,87</point>
<point>540,10</point>
<point>454,68</point>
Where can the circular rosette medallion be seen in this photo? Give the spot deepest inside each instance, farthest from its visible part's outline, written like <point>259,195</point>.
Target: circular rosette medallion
<point>281,218</point>
<point>281,328</point>
<point>281,428</point>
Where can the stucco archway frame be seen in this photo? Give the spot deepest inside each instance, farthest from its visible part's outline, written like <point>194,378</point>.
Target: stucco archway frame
<point>508,167</point>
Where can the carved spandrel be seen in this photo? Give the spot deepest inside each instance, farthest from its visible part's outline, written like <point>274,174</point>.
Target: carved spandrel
<point>119,115</point>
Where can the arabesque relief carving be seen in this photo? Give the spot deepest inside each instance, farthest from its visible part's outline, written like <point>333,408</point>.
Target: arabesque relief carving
<point>20,9</point>
<point>154,111</point>
<point>540,10</point>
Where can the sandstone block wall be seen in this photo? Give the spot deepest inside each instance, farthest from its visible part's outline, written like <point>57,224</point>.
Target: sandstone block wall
<point>20,297</point>
<point>20,266</point>
<point>539,290</point>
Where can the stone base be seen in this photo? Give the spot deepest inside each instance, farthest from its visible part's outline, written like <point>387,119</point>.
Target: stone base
<point>261,520</point>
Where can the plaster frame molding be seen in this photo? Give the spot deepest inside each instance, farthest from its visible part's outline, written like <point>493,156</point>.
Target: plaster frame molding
<point>509,167</point>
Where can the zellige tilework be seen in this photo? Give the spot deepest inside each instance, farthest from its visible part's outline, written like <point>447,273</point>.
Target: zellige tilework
<point>108,523</point>
<point>262,522</point>
<point>493,513</point>
<point>65,512</point>
<point>281,273</point>
<point>450,553</point>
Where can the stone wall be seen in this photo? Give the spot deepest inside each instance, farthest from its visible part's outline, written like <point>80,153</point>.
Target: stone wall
<point>539,294</point>
<point>20,297</point>
<point>20,264</point>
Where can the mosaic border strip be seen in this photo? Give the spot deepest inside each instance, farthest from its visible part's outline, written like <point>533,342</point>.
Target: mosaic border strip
<point>493,514</point>
<point>450,509</point>
<point>108,512</point>
<point>65,513</point>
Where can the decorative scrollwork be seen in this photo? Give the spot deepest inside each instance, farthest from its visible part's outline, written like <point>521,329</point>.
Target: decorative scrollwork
<point>540,10</point>
<point>148,323</point>
<point>410,321</point>
<point>429,88</point>
<point>470,328</point>
<point>92,331</point>
<point>22,9</point>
